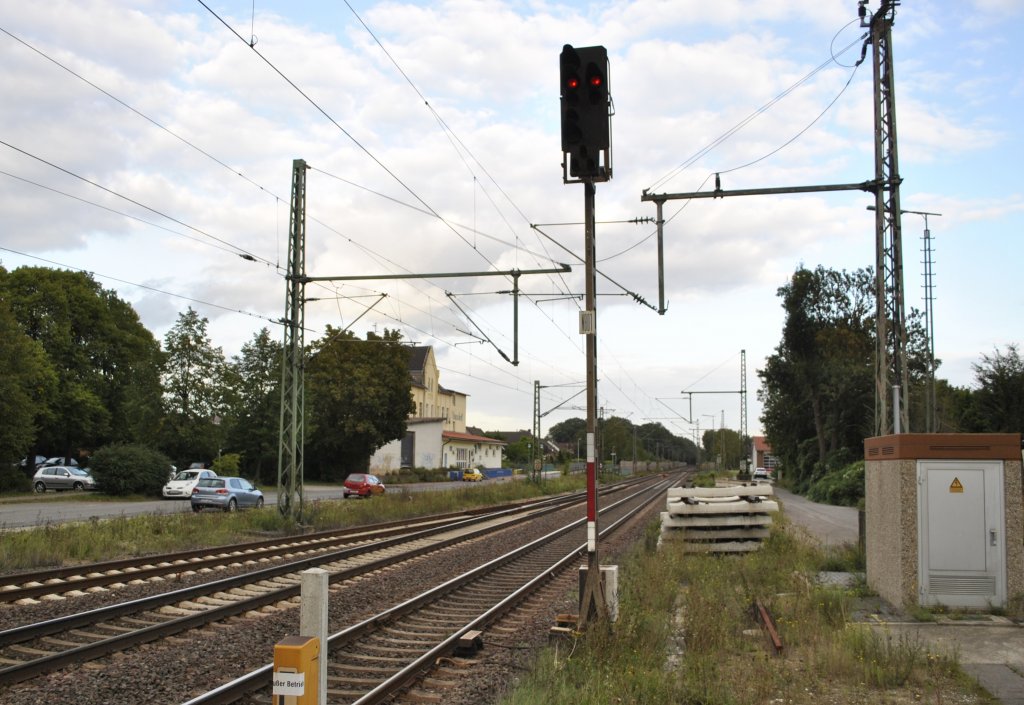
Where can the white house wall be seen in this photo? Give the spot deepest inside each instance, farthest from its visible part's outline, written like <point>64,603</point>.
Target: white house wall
<point>388,458</point>
<point>470,454</point>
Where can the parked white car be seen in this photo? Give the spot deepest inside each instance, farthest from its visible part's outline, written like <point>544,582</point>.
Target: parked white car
<point>181,485</point>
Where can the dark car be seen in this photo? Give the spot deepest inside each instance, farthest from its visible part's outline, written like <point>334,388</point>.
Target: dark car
<point>62,477</point>
<point>226,493</point>
<point>362,484</point>
<point>36,462</point>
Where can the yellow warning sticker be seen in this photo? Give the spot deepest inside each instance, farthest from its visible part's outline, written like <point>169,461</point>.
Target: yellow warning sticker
<point>955,486</point>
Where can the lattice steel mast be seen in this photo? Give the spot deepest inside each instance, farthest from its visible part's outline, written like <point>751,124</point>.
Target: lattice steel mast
<point>290,448</point>
<point>891,333</point>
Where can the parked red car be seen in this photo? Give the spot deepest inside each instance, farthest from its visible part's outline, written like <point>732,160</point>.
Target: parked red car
<point>362,485</point>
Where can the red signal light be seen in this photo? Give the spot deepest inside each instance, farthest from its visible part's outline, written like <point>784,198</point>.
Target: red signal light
<point>574,82</point>
<point>595,81</point>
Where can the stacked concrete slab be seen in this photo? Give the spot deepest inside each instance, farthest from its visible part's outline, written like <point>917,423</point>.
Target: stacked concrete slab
<point>733,519</point>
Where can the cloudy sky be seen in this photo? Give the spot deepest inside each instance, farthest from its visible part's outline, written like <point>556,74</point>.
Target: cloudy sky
<point>151,143</point>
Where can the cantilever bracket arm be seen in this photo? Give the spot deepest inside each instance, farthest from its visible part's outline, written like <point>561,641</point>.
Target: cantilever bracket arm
<point>451,296</point>
<point>514,273</point>
<point>561,269</point>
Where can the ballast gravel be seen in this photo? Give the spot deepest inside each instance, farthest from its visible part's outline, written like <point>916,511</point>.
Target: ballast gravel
<point>176,669</point>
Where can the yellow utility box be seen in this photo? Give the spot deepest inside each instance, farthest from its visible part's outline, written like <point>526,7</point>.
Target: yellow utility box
<point>297,671</point>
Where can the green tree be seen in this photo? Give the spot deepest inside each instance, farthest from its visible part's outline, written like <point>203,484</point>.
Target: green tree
<point>617,437</point>
<point>817,389</point>
<point>569,431</point>
<point>26,382</point>
<point>727,446</point>
<point>998,402</point>
<point>104,359</point>
<point>520,453</point>
<point>254,405</point>
<point>358,397</point>
<point>194,375</point>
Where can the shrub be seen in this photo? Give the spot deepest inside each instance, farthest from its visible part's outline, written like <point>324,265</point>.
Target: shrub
<point>843,487</point>
<point>124,469</point>
<point>14,479</point>
<point>227,464</point>
<point>704,479</point>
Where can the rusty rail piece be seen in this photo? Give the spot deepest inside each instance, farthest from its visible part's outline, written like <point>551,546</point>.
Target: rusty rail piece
<point>762,615</point>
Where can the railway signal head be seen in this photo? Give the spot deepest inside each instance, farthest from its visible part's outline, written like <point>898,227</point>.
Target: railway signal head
<point>583,74</point>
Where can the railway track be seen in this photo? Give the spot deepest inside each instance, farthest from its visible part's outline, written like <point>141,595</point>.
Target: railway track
<point>71,581</point>
<point>381,657</point>
<point>31,650</point>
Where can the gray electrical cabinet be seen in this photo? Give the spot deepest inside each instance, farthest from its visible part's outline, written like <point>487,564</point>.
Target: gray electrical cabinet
<point>944,519</point>
<point>962,551</point>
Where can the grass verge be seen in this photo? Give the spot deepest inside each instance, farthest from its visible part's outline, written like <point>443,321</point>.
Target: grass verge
<point>103,539</point>
<point>686,636</point>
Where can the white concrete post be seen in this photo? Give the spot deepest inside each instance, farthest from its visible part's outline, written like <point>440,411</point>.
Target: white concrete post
<point>313,617</point>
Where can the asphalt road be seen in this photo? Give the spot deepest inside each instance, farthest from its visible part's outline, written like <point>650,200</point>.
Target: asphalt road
<point>829,524</point>
<point>38,510</point>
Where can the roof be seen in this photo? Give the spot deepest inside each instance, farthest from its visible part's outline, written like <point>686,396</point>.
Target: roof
<point>468,438</point>
<point>513,436</point>
<point>424,419</point>
<point>761,444</point>
<point>444,390</point>
<point>418,357</point>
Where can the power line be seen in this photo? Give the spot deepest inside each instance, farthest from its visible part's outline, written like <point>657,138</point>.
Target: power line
<point>345,132</point>
<point>243,253</point>
<point>143,286</point>
<point>120,213</point>
<point>134,110</point>
<point>430,213</point>
<point>753,116</point>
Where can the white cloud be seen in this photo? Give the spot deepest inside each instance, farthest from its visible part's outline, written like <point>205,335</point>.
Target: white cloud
<point>683,73</point>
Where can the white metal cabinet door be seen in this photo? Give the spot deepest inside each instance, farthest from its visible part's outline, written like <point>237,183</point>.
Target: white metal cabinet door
<point>960,530</point>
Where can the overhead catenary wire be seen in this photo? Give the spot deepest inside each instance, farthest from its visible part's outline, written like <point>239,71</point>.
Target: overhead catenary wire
<point>751,117</point>
<point>457,142</point>
<point>236,172</point>
<point>242,252</point>
<point>229,250</point>
<point>174,134</point>
<point>165,129</point>
<point>133,109</point>
<point>143,286</point>
<point>345,132</point>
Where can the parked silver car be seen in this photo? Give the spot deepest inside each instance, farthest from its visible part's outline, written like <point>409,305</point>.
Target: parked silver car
<point>227,493</point>
<point>62,477</point>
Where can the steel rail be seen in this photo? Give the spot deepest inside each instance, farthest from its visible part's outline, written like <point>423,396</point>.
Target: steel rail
<point>21,672</point>
<point>12,585</point>
<point>260,678</point>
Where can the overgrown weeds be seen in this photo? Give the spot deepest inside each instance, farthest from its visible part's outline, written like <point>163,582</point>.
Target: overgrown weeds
<point>686,636</point>
<point>103,539</point>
